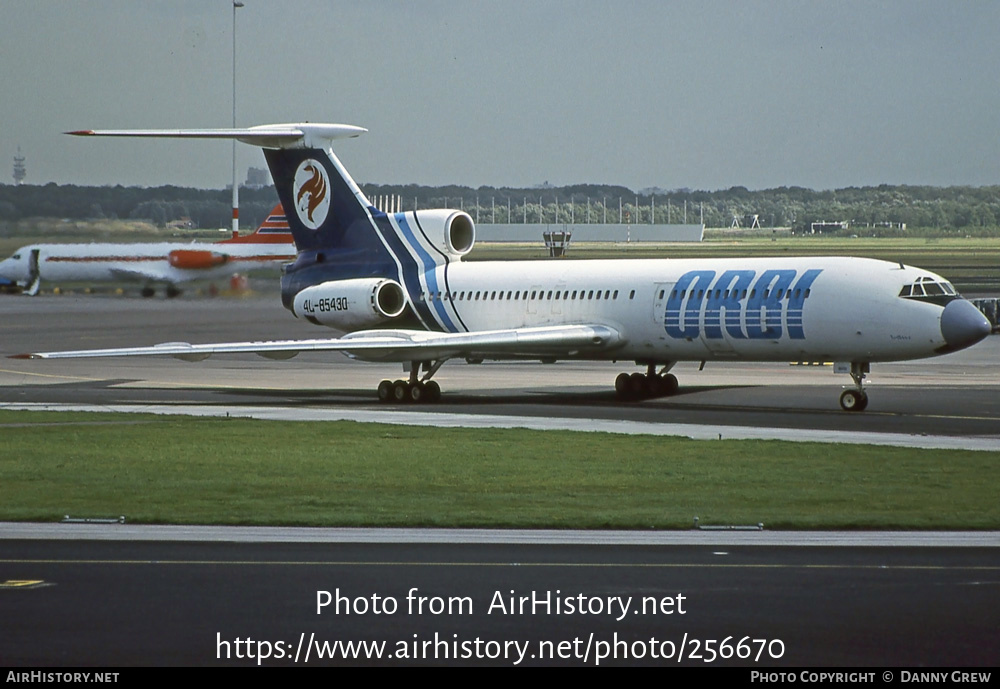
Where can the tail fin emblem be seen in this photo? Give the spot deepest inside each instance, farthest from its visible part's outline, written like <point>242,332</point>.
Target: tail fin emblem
<point>311,190</point>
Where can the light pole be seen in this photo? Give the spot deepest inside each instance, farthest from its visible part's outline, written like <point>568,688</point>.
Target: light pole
<point>236,187</point>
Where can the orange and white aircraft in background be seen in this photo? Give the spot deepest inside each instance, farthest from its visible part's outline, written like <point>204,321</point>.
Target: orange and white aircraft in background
<point>160,263</point>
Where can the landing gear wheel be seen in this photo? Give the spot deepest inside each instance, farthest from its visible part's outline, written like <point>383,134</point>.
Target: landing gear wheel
<point>662,386</point>
<point>853,400</point>
<point>432,392</point>
<point>622,386</point>
<point>657,386</point>
<point>418,393</point>
<point>401,391</point>
<point>385,391</point>
<point>172,292</point>
<point>147,292</point>
<point>670,384</point>
<point>638,385</point>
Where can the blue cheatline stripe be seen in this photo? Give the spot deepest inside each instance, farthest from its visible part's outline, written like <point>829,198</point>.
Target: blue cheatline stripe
<point>410,275</point>
<point>430,271</point>
<point>447,263</point>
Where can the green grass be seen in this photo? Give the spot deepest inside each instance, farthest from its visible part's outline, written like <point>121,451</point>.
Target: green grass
<point>155,469</point>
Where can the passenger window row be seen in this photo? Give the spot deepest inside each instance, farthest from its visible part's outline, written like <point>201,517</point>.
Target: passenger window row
<point>519,295</point>
<point>596,295</point>
<point>726,294</point>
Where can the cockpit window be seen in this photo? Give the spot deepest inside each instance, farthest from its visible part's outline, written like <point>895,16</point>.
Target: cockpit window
<point>16,257</point>
<point>929,289</point>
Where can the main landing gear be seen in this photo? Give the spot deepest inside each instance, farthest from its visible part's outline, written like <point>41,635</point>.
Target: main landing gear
<point>416,390</point>
<point>856,399</point>
<point>637,386</point>
<point>171,291</point>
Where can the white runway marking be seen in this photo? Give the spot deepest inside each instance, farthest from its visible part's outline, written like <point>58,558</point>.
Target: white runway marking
<point>275,534</point>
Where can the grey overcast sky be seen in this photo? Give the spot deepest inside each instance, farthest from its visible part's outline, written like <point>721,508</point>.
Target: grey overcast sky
<point>700,94</point>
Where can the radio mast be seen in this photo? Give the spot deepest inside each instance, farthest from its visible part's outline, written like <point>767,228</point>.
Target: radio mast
<point>20,171</point>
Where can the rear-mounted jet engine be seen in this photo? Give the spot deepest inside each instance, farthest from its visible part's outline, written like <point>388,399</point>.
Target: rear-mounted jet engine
<point>351,304</point>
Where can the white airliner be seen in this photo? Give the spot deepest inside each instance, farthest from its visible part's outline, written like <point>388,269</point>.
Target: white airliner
<point>397,284</point>
<point>160,263</point>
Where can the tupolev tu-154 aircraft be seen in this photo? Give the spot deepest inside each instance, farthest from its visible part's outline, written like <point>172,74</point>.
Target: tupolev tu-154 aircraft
<point>151,263</point>
<point>397,285</point>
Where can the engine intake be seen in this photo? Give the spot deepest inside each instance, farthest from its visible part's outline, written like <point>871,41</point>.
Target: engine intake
<point>196,259</point>
<point>454,232</point>
<point>351,304</point>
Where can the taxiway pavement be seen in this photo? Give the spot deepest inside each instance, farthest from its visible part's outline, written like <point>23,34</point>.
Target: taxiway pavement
<point>285,597</point>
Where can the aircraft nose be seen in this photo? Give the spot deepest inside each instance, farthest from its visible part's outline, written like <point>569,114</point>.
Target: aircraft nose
<point>963,325</point>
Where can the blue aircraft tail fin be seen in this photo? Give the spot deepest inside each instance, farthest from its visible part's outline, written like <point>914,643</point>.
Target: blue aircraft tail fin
<point>324,206</point>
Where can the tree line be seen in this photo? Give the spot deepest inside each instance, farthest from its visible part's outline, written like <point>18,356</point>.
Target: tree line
<point>885,207</point>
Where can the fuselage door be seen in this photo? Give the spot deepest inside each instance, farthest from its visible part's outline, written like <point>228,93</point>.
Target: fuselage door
<point>714,334</point>
<point>34,273</point>
<point>557,298</point>
<point>533,295</point>
<point>661,293</point>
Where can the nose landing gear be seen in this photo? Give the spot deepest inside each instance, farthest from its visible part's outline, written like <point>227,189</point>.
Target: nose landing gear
<point>856,399</point>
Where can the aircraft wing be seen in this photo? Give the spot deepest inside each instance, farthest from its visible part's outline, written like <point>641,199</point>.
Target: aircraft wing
<point>390,345</point>
<point>137,275</point>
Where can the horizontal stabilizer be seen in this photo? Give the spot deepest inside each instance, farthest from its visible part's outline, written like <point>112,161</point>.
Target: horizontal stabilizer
<point>301,135</point>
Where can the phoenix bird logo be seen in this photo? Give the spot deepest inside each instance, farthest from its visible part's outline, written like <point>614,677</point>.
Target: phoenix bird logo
<point>311,193</point>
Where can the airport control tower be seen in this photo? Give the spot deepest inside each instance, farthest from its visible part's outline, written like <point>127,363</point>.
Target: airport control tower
<point>20,172</point>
